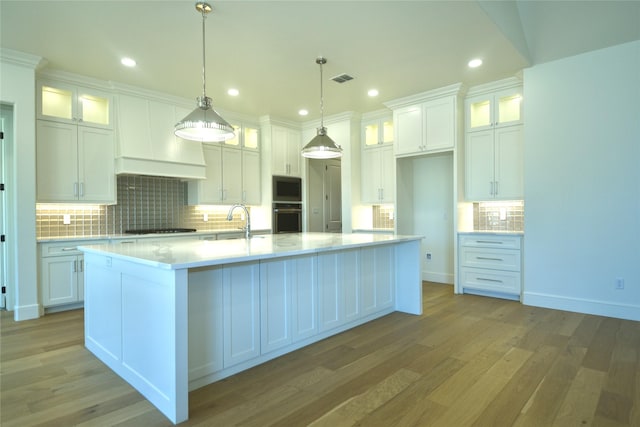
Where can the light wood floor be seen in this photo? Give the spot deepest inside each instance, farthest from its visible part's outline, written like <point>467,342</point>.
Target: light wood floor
<point>468,361</point>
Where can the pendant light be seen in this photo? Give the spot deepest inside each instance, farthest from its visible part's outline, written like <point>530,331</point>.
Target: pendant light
<point>321,146</point>
<point>204,123</point>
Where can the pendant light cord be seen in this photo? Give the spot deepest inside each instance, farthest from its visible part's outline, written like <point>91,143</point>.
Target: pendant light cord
<point>321,61</point>
<point>204,66</point>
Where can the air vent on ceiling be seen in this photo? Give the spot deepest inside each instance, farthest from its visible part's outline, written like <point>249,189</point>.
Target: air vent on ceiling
<point>341,78</point>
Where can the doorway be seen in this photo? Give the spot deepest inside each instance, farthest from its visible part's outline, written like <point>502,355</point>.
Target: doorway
<point>6,119</point>
<point>324,201</point>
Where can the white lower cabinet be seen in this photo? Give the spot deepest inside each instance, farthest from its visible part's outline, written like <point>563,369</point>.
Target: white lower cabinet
<point>244,314</point>
<point>241,311</point>
<point>490,264</point>
<point>62,273</point>
<point>288,297</point>
<point>339,288</point>
<point>377,276</point>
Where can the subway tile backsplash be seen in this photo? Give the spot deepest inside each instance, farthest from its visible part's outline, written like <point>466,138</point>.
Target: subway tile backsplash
<point>143,202</point>
<point>498,216</point>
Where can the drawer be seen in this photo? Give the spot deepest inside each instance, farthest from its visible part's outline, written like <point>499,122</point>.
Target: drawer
<point>490,241</point>
<point>496,259</point>
<point>67,248</point>
<point>490,280</point>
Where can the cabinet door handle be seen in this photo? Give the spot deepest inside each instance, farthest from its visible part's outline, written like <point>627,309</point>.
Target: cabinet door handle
<point>482,279</point>
<point>75,189</point>
<point>496,187</point>
<point>489,259</point>
<point>82,189</point>
<point>491,188</point>
<point>81,265</point>
<point>75,266</point>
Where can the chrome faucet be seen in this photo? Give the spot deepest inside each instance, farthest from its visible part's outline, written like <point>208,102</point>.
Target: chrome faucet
<point>247,229</point>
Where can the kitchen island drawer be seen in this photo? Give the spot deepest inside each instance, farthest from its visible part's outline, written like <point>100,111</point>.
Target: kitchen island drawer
<point>496,259</point>
<point>490,241</point>
<point>504,282</point>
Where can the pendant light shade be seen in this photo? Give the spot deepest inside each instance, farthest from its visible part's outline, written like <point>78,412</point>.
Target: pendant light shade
<point>204,124</point>
<point>321,146</point>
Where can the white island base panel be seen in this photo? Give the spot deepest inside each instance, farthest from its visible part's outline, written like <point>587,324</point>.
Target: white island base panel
<point>169,330</point>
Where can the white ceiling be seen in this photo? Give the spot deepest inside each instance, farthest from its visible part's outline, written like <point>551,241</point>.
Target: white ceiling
<point>267,49</point>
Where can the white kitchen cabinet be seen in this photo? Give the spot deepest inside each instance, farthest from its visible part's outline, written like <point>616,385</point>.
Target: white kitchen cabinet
<point>377,131</point>
<point>73,104</point>
<point>206,322</point>
<point>223,184</point>
<point>494,164</point>
<point>377,277</point>
<point>427,127</point>
<point>61,274</point>
<point>378,175</point>
<point>241,311</point>
<point>490,264</point>
<point>285,151</point>
<point>74,164</point>
<point>338,288</point>
<point>288,301</point>
<point>494,109</point>
<point>251,177</point>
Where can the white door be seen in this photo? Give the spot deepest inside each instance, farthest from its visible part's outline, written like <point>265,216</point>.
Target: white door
<point>3,213</point>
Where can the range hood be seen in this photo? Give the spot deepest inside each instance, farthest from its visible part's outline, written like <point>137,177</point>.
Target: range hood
<point>146,144</point>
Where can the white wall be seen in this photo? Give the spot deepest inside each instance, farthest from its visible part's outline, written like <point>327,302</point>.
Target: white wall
<point>17,89</point>
<point>582,183</point>
<point>433,214</point>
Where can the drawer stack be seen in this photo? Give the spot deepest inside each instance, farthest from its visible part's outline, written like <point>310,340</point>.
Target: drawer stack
<point>490,264</point>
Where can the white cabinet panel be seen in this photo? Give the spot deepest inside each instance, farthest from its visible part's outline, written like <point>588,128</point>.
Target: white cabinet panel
<point>377,278</point>
<point>285,151</point>
<point>339,288</point>
<point>378,175</point>
<point>276,303</point>
<point>241,313</point>
<point>251,178</point>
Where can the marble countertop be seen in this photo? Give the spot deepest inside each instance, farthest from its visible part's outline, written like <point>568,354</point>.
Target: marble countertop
<point>125,236</point>
<point>179,254</point>
<point>495,232</point>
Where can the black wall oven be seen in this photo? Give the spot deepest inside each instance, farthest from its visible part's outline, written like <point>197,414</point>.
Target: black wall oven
<point>287,218</point>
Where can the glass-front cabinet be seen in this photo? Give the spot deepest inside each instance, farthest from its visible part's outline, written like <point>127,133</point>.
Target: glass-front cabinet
<point>378,132</point>
<point>245,137</point>
<point>67,103</point>
<point>503,108</point>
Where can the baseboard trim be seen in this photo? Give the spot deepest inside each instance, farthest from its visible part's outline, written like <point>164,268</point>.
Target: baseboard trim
<point>438,277</point>
<point>26,312</point>
<point>579,305</point>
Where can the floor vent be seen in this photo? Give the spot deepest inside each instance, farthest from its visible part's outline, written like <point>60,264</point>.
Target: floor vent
<point>341,78</point>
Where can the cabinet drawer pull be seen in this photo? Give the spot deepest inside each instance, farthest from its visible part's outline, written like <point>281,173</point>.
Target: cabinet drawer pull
<point>489,242</point>
<point>482,279</point>
<point>489,259</point>
<point>69,249</point>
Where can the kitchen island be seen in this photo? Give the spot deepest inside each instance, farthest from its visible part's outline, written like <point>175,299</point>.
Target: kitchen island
<point>172,317</point>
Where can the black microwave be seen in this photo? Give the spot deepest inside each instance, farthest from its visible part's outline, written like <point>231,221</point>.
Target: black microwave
<point>287,189</point>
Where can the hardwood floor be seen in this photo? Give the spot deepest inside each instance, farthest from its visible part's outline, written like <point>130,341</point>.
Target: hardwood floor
<point>468,361</point>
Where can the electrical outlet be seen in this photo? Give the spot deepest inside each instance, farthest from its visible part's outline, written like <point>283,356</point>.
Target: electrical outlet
<point>619,283</point>
<point>66,219</point>
<point>205,217</point>
<point>428,255</point>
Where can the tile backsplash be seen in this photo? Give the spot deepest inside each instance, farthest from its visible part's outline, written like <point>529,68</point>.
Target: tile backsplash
<point>383,216</point>
<point>498,216</point>
<point>143,202</point>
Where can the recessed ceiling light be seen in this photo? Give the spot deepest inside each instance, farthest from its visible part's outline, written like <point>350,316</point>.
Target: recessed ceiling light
<point>128,62</point>
<point>233,92</point>
<point>373,92</point>
<point>475,63</point>
<point>303,112</point>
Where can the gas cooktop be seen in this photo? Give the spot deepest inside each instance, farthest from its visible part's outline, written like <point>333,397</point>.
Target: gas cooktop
<point>161,231</point>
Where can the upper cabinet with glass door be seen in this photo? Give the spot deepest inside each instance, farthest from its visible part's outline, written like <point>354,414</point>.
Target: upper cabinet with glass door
<point>377,132</point>
<point>493,110</point>
<point>67,103</point>
<point>245,137</point>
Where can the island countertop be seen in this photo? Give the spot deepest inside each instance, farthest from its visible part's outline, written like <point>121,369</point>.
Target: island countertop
<point>189,253</point>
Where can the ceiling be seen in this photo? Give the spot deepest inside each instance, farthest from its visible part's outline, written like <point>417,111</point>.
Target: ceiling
<point>267,49</point>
